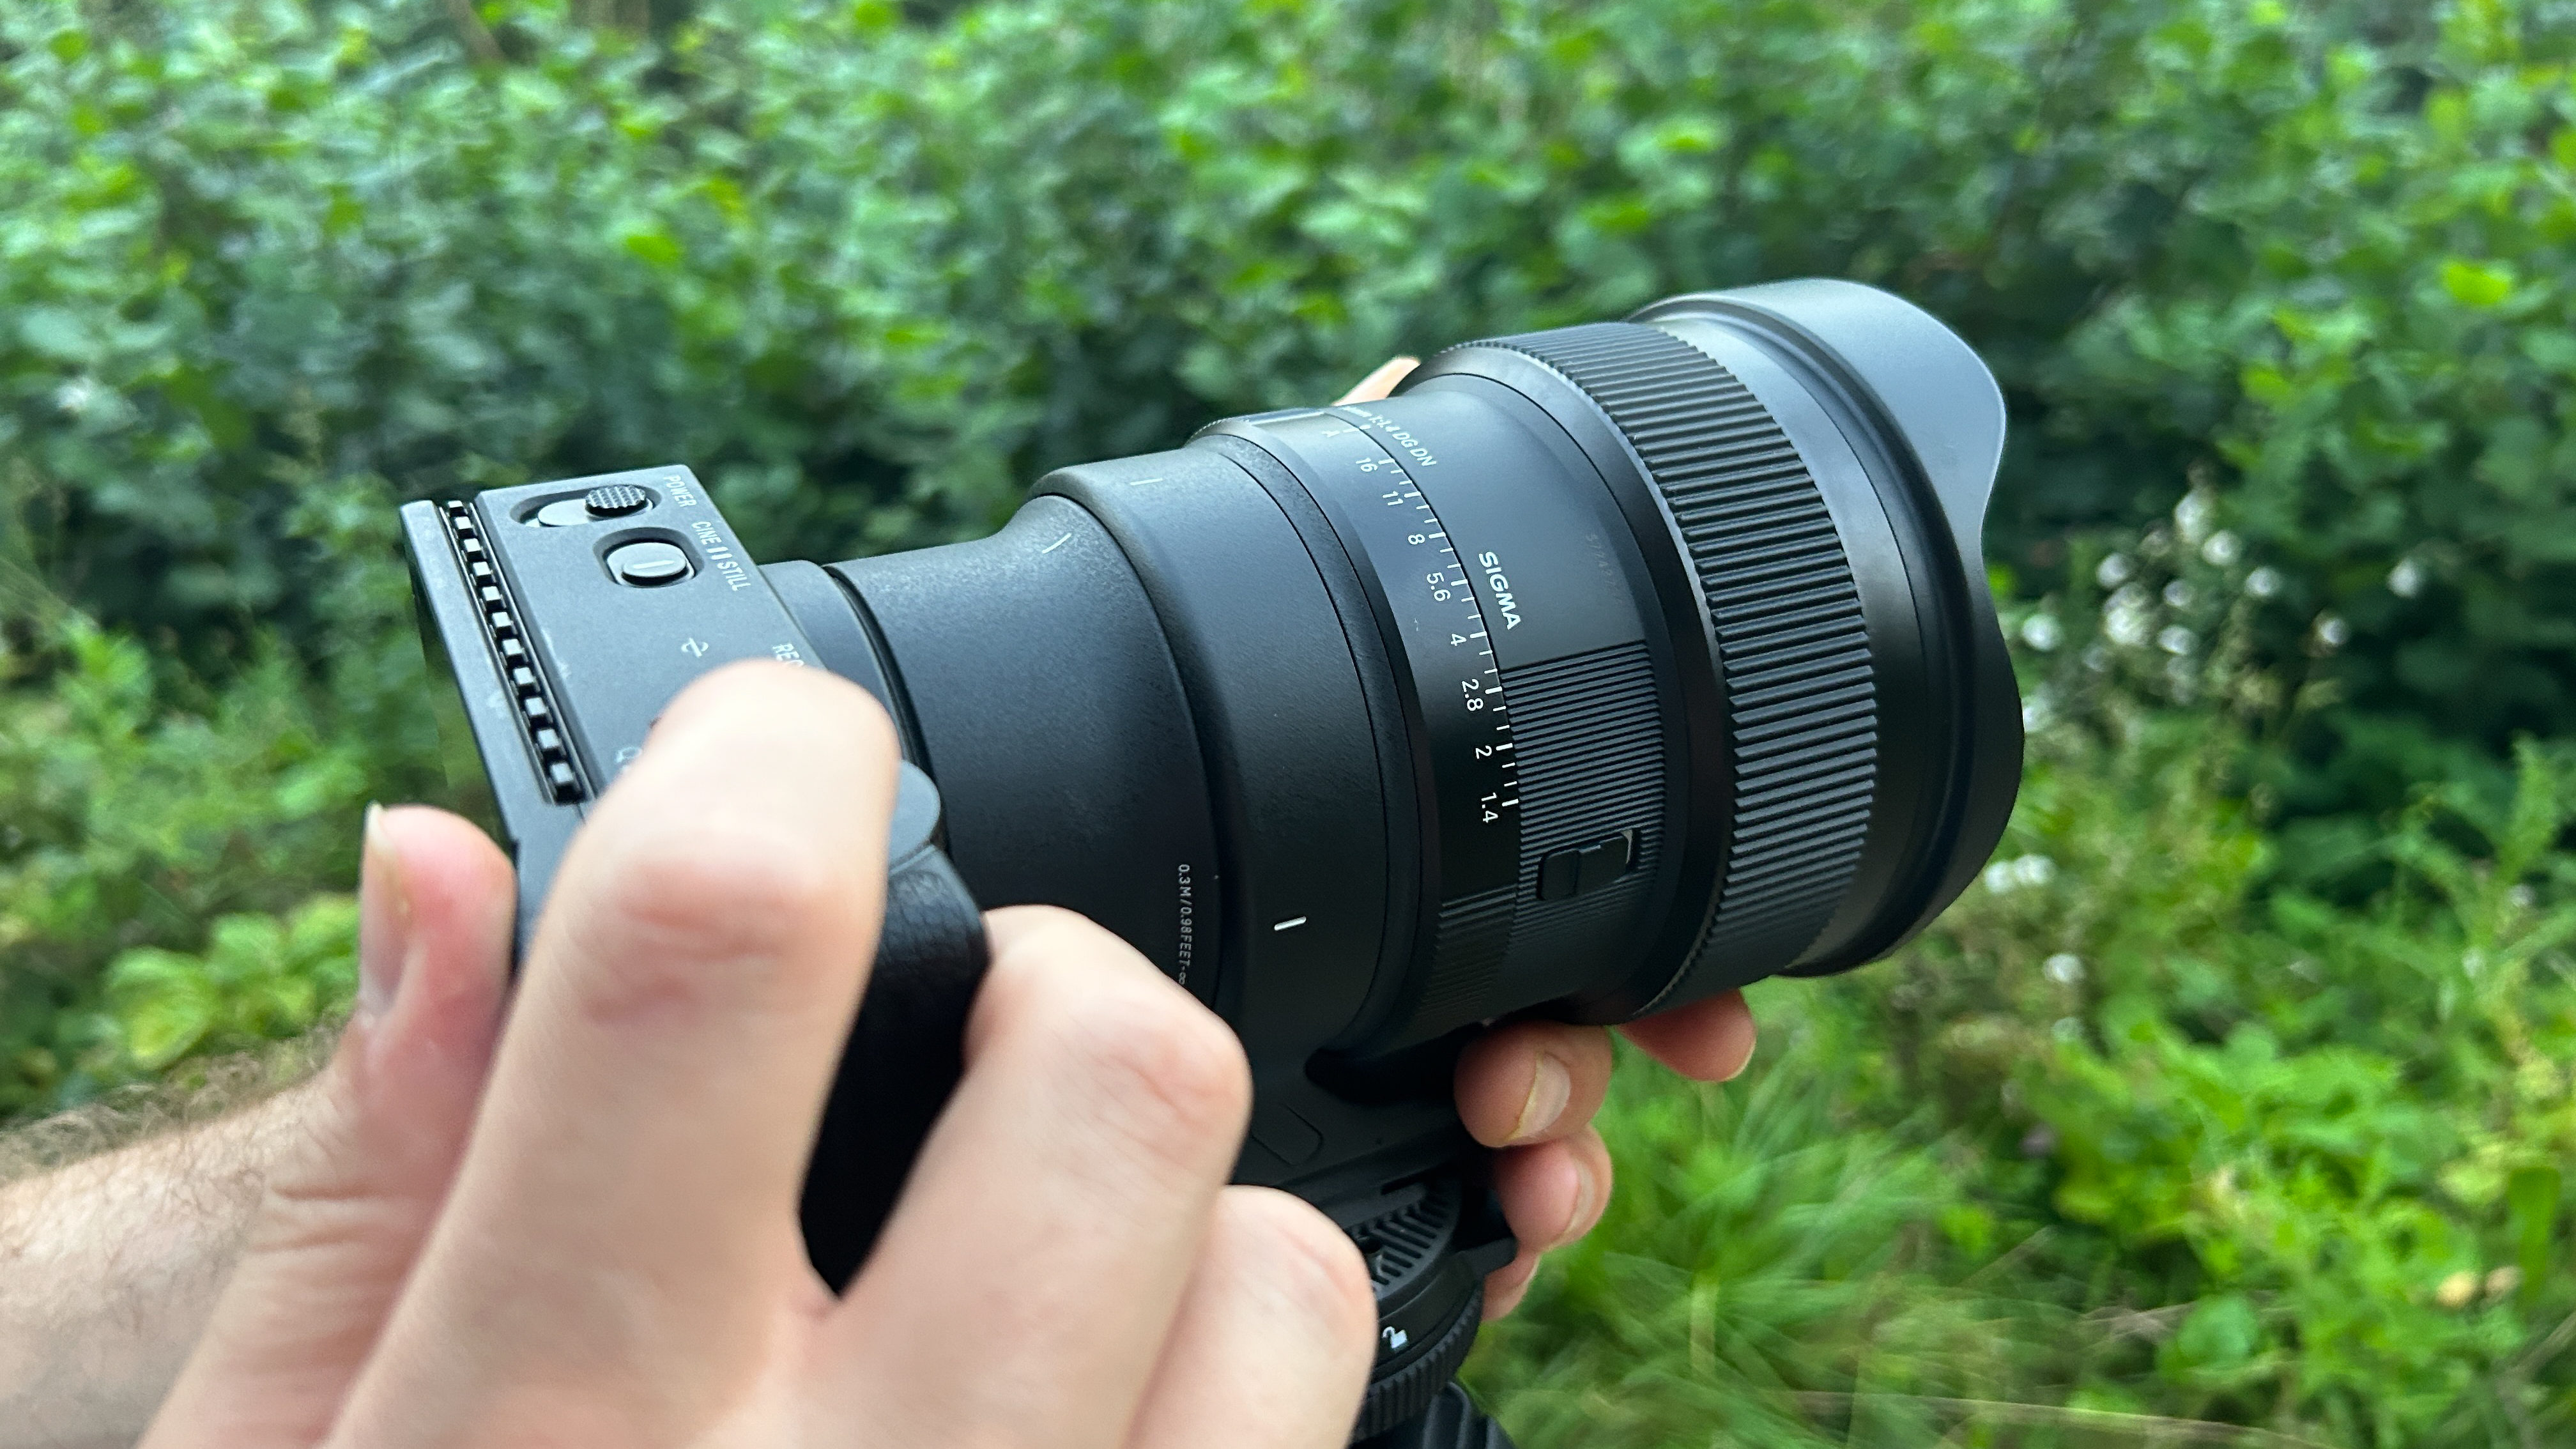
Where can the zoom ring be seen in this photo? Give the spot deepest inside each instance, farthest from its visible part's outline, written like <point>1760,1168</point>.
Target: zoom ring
<point>1792,643</point>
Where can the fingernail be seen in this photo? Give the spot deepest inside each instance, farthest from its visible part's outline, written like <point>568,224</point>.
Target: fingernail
<point>384,919</point>
<point>1587,1194</point>
<point>1551,1087</point>
<point>1741,1064</point>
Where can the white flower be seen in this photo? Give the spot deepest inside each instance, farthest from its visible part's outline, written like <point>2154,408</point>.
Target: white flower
<point>2005,876</point>
<point>2114,571</point>
<point>2521,897</point>
<point>2407,579</point>
<point>77,396</point>
<point>2176,640</point>
<point>2178,594</point>
<point>2332,631</point>
<point>2040,632</point>
<point>2194,514</point>
<point>2065,968</point>
<point>2067,1029</point>
<point>2124,618</point>
<point>2223,548</point>
<point>2263,583</point>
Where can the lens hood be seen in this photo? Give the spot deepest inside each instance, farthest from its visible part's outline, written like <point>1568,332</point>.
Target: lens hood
<point>1924,419</point>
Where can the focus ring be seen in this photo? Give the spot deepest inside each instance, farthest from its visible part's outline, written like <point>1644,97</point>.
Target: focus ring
<point>1792,642</point>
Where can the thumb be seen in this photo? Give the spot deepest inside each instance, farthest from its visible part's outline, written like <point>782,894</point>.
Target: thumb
<point>348,1205</point>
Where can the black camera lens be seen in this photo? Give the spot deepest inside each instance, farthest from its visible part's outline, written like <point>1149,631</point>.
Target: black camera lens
<point>1601,670</point>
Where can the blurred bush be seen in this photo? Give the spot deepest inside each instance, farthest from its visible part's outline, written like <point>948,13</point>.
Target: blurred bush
<point>2230,1107</point>
<point>143,805</point>
<point>869,274</point>
<point>2134,1144</point>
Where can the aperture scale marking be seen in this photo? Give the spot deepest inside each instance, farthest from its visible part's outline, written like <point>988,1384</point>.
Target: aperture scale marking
<point>1440,631</point>
<point>1482,691</point>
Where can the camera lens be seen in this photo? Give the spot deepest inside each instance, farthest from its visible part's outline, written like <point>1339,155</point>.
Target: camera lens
<point>1602,669</point>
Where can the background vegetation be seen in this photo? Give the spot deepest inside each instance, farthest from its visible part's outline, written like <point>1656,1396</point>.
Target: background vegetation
<point>2232,1106</point>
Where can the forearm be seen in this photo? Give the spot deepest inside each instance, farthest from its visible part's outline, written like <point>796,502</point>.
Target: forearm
<point>110,1266</point>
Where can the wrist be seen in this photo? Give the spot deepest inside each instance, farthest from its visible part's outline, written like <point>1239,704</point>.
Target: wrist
<point>109,1267</point>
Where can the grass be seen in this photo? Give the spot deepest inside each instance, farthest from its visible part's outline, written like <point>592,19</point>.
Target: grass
<point>2136,1146</point>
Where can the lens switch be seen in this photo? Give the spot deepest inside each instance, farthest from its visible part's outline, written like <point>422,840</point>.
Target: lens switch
<point>1579,870</point>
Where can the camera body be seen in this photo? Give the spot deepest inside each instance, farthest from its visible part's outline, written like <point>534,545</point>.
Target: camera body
<point>569,613</point>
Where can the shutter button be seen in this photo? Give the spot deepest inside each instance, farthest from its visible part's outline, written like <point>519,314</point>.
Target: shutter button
<point>647,564</point>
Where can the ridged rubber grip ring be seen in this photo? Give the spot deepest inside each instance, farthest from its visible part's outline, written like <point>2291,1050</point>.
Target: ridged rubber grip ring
<point>1792,643</point>
<point>1411,1389</point>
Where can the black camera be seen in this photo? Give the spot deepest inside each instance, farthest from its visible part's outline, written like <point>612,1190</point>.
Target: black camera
<point>1600,670</point>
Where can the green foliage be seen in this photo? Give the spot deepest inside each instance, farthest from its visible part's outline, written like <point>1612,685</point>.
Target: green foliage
<point>869,274</point>
<point>2125,1145</point>
<point>2238,1091</point>
<point>137,805</point>
<point>261,979</point>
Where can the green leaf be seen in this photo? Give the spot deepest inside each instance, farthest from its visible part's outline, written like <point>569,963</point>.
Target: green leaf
<point>656,247</point>
<point>2477,284</point>
<point>163,1003</point>
<point>58,333</point>
<point>2221,1333</point>
<point>2531,1204</point>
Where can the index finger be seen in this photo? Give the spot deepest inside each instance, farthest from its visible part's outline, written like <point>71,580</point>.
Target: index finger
<point>1706,1041</point>
<point>1381,381</point>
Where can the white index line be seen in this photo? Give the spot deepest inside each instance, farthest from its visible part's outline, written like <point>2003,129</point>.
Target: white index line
<point>1059,543</point>
<point>1141,482</point>
<point>1290,922</point>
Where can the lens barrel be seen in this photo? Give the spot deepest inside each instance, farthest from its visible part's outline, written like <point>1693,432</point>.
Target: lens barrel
<point>1603,669</point>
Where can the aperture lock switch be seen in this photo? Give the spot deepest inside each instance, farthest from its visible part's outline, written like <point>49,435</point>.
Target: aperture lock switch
<point>1582,869</point>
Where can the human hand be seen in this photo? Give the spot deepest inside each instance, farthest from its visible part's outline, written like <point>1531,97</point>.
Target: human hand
<point>583,1227</point>
<point>1531,1088</point>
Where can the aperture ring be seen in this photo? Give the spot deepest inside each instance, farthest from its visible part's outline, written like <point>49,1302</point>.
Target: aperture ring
<point>1439,635</point>
<point>1791,639</point>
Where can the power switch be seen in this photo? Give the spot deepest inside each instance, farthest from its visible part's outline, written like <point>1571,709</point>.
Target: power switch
<point>608,500</point>
<point>615,500</point>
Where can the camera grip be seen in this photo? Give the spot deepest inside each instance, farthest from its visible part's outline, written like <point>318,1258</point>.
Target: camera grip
<point>907,1048</point>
